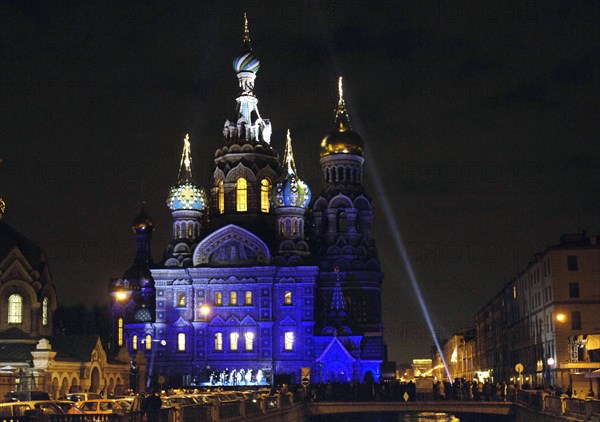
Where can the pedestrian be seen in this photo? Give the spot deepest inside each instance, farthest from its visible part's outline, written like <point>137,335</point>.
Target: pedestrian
<point>152,405</point>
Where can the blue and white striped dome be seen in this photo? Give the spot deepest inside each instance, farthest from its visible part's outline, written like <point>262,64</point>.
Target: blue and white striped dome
<point>246,61</point>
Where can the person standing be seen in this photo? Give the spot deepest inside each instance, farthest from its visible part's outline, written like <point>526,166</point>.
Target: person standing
<point>152,405</point>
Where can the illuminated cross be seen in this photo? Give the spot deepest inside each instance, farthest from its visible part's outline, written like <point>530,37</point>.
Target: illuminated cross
<point>289,155</point>
<point>186,160</point>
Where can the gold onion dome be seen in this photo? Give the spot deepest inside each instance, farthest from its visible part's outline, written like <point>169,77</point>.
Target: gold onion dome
<point>342,140</point>
<point>142,223</point>
<point>186,195</point>
<point>290,190</point>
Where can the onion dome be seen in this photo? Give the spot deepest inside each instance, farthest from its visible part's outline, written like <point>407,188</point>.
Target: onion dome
<point>142,223</point>
<point>246,61</point>
<point>290,190</point>
<point>186,195</point>
<point>342,140</point>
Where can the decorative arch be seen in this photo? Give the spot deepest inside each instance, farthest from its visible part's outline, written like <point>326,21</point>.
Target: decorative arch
<point>232,245</point>
<point>240,171</point>
<point>340,201</point>
<point>362,203</point>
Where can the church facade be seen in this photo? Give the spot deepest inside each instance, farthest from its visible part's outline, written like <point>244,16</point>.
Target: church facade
<point>263,281</point>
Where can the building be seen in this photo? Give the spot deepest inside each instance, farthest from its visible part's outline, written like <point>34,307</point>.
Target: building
<point>260,284</point>
<point>543,316</point>
<point>31,357</point>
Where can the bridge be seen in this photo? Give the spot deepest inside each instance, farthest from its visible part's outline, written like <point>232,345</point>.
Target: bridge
<point>452,407</point>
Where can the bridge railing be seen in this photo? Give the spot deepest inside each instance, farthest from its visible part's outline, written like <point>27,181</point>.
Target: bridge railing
<point>568,406</point>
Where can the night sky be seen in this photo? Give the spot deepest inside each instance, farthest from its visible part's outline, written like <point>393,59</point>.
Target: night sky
<point>480,118</point>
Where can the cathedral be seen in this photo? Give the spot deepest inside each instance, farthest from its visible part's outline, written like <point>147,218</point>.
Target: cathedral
<point>265,280</point>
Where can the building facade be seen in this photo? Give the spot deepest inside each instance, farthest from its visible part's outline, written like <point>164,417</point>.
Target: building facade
<point>261,283</point>
<point>31,357</point>
<point>541,315</point>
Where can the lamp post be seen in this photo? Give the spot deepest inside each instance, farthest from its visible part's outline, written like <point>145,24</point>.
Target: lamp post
<point>150,373</point>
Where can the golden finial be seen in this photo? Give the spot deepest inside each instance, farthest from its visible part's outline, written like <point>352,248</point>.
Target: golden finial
<point>186,160</point>
<point>340,93</point>
<point>289,155</point>
<point>246,30</point>
<point>2,207</point>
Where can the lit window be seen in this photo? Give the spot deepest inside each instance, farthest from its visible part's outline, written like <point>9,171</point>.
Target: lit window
<point>233,298</point>
<point>241,189</point>
<point>514,292</point>
<point>281,228</point>
<point>287,298</point>
<point>289,340</point>
<point>181,342</point>
<point>45,311</point>
<point>181,300</point>
<point>294,227</point>
<point>218,341</point>
<point>248,298</point>
<point>190,231</point>
<point>134,342</point>
<point>148,342</point>
<point>221,194</point>
<point>233,340</point>
<point>218,298</point>
<point>120,332</point>
<point>15,309</point>
<point>265,187</point>
<point>249,337</point>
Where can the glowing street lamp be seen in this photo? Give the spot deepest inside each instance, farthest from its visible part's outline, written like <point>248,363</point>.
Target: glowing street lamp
<point>561,317</point>
<point>205,310</point>
<point>121,295</point>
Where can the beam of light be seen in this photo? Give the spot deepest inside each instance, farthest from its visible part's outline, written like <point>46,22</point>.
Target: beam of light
<point>395,230</point>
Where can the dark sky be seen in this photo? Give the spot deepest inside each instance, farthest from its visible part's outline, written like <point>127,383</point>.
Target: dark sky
<point>481,119</point>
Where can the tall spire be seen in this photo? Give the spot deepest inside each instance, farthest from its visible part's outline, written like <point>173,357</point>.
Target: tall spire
<point>246,32</point>
<point>338,305</point>
<point>342,120</point>
<point>288,157</point>
<point>185,166</point>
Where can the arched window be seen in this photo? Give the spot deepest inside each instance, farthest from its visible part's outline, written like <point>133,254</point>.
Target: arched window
<point>241,191</point>
<point>249,340</point>
<point>294,226</point>
<point>45,311</point>
<point>248,298</point>
<point>218,341</point>
<point>281,228</point>
<point>181,342</point>
<point>148,341</point>
<point>233,298</point>
<point>219,298</point>
<point>190,230</point>
<point>134,342</point>
<point>265,187</point>
<point>288,340</point>
<point>181,300</point>
<point>120,332</point>
<point>221,197</point>
<point>233,340</point>
<point>15,309</point>
<point>287,298</point>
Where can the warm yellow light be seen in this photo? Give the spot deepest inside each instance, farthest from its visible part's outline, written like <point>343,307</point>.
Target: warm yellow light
<point>561,317</point>
<point>205,310</point>
<point>121,295</point>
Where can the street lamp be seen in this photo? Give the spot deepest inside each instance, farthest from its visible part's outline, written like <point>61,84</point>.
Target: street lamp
<point>561,317</point>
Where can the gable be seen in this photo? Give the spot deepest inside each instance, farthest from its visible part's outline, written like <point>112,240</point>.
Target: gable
<point>335,352</point>
<point>232,246</point>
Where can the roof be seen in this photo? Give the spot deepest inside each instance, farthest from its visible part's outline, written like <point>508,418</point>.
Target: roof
<point>11,238</point>
<point>16,352</point>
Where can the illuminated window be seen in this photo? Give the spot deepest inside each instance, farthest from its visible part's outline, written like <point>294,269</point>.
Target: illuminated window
<point>15,309</point>
<point>514,292</point>
<point>233,298</point>
<point>294,227</point>
<point>148,342</point>
<point>265,187</point>
<point>134,342</point>
<point>241,192</point>
<point>181,342</point>
<point>249,340</point>
<point>218,341</point>
<point>181,300</point>
<point>281,228</point>
<point>289,340</point>
<point>287,298</point>
<point>120,331</point>
<point>233,340</point>
<point>45,311</point>
<point>221,193</point>
<point>190,231</point>
<point>218,298</point>
<point>248,298</point>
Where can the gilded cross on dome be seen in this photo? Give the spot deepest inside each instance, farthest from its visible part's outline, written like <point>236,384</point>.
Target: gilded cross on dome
<point>186,161</point>
<point>289,155</point>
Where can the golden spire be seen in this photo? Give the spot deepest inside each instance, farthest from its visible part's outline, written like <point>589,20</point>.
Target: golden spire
<point>246,30</point>
<point>186,161</point>
<point>342,120</point>
<point>288,156</point>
